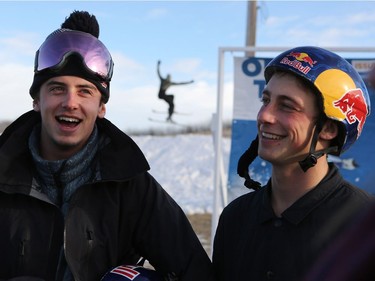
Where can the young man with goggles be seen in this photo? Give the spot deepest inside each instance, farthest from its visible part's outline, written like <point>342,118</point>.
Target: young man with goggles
<point>277,231</point>
<point>76,198</point>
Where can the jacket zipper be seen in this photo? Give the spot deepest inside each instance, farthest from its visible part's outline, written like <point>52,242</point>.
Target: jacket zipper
<point>22,249</point>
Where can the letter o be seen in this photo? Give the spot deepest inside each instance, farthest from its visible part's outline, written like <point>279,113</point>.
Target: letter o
<point>251,67</point>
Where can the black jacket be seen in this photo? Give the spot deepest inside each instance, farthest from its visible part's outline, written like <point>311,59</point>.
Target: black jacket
<point>252,243</point>
<point>124,216</point>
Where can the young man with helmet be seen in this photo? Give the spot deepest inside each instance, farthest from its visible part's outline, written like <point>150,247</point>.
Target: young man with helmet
<point>76,198</point>
<point>314,104</point>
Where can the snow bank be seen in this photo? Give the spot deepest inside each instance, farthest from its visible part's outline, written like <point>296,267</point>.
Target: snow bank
<point>184,166</point>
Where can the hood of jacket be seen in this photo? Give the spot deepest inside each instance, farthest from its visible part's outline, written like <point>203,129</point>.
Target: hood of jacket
<point>120,158</point>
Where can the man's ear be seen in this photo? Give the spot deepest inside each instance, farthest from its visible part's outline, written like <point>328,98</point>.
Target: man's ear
<point>102,110</point>
<point>36,105</point>
<point>329,131</point>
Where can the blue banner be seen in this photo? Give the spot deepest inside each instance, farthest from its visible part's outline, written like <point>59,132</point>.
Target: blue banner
<point>356,164</point>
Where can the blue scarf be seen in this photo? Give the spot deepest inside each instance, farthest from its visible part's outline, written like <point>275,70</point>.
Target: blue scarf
<point>60,179</point>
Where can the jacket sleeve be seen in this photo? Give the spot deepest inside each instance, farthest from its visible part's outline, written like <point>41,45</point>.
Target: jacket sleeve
<point>165,237</point>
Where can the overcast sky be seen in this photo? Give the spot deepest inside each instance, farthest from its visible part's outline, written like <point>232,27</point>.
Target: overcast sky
<point>184,35</point>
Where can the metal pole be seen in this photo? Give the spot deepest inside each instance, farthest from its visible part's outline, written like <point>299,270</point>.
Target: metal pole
<point>251,26</point>
<point>218,132</point>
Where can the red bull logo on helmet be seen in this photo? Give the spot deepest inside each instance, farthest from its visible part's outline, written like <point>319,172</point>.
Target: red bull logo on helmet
<point>354,106</point>
<point>301,61</point>
<point>303,57</point>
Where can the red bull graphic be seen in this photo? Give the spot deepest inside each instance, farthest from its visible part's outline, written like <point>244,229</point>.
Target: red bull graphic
<point>354,106</point>
<point>302,61</point>
<point>303,57</point>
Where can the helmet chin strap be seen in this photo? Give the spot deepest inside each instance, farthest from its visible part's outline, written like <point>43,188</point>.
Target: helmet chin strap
<point>244,162</point>
<point>311,159</point>
<point>313,156</point>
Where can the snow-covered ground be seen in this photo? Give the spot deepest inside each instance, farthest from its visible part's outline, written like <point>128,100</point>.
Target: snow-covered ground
<point>184,165</point>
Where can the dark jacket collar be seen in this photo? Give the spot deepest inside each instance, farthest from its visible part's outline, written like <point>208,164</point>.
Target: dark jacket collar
<point>307,203</point>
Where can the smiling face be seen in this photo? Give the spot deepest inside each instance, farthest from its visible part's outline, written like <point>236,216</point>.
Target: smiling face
<point>286,120</point>
<point>69,107</point>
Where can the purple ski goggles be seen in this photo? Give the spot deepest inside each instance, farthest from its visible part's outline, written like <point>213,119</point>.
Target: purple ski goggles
<point>60,44</point>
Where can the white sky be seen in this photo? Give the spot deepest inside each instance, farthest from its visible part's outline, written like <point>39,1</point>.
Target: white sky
<point>184,35</point>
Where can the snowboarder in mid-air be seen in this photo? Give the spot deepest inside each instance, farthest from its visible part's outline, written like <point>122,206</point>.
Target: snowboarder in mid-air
<point>165,83</point>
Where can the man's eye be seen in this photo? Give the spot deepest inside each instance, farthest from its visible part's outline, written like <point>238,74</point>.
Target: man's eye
<point>85,92</point>
<point>287,106</point>
<point>56,89</point>
<point>264,100</point>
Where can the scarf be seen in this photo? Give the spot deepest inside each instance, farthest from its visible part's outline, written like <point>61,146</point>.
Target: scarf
<point>59,179</point>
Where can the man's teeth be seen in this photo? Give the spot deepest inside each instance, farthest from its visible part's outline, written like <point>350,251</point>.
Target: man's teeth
<point>68,119</point>
<point>271,136</point>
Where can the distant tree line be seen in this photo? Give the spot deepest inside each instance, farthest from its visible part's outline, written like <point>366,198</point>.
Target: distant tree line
<point>203,128</point>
